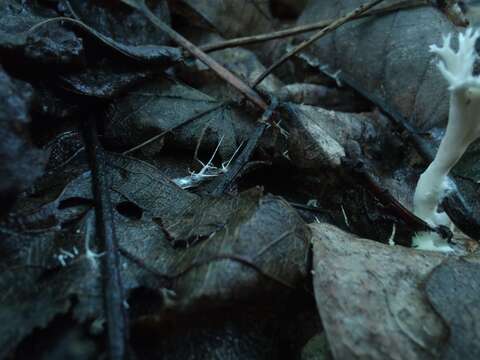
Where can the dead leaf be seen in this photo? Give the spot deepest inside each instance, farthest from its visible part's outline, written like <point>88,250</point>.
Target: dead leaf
<point>17,153</point>
<point>246,244</point>
<point>453,288</point>
<point>162,105</point>
<point>370,297</point>
<point>387,56</point>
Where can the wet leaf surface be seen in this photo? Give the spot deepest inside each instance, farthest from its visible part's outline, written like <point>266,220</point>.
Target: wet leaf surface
<point>224,268</point>
<point>252,17</point>
<point>406,77</point>
<point>17,153</point>
<point>370,298</point>
<point>163,105</point>
<point>105,83</point>
<point>319,137</point>
<point>453,289</point>
<point>53,45</point>
<point>119,22</point>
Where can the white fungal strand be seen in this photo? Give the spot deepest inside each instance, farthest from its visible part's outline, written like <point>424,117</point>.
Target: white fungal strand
<point>208,171</point>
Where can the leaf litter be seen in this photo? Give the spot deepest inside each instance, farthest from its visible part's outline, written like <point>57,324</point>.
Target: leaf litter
<point>153,191</point>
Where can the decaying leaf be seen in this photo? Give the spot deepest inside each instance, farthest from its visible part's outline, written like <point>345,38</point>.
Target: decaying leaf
<point>453,289</point>
<point>105,82</point>
<point>370,298</point>
<point>166,104</point>
<point>119,22</point>
<point>231,18</point>
<point>220,267</point>
<point>127,32</point>
<point>322,96</point>
<point>124,30</point>
<point>53,45</point>
<point>387,56</point>
<point>18,156</point>
<point>319,136</point>
<point>37,287</point>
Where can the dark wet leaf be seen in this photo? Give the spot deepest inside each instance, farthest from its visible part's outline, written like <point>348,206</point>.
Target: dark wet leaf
<point>120,22</point>
<point>230,18</point>
<point>387,56</point>
<point>165,104</point>
<point>370,299</point>
<point>467,176</point>
<point>38,288</point>
<point>226,265</point>
<point>65,148</point>
<point>105,77</point>
<point>105,82</point>
<point>20,161</point>
<point>281,235</point>
<point>152,216</point>
<point>453,288</point>
<point>144,53</point>
<point>125,30</point>
<point>468,166</point>
<point>48,45</point>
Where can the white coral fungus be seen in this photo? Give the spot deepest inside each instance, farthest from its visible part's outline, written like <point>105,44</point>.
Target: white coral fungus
<point>462,129</point>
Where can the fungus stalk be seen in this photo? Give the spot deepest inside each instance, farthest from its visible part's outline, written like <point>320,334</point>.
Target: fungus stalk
<point>462,129</point>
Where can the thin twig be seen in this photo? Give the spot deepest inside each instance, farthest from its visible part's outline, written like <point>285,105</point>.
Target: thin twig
<point>334,25</point>
<point>173,128</point>
<point>219,69</point>
<point>254,39</point>
<point>226,180</point>
<point>114,299</point>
